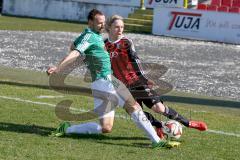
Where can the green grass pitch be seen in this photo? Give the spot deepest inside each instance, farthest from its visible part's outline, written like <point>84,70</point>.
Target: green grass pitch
<point>26,120</point>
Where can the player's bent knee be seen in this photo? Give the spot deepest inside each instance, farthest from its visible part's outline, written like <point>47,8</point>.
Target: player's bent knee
<point>107,129</point>
<point>130,102</point>
<point>131,105</point>
<point>159,108</point>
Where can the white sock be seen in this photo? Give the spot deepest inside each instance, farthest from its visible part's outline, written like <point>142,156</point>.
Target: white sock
<point>85,128</point>
<point>143,123</point>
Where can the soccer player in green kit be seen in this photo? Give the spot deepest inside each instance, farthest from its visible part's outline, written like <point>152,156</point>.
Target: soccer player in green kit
<point>89,49</point>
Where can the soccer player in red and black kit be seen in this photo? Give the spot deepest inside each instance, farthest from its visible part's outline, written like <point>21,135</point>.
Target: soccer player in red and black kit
<point>127,68</point>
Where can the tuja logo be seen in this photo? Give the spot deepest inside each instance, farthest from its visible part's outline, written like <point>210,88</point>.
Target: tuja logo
<point>185,20</point>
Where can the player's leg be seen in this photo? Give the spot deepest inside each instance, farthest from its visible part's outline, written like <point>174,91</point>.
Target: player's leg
<point>140,119</point>
<point>65,128</point>
<point>107,124</point>
<point>114,91</point>
<point>172,114</point>
<point>140,94</point>
<point>103,108</point>
<point>134,109</point>
<point>154,102</point>
<point>156,123</point>
<point>144,124</point>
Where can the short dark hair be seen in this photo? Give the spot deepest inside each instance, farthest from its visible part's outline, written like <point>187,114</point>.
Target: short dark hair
<point>93,13</point>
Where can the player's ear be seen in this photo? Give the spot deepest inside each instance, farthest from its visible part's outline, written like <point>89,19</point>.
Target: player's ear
<point>90,23</point>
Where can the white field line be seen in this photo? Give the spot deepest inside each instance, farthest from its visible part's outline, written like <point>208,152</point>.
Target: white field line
<point>28,101</point>
<point>224,133</point>
<point>118,116</point>
<point>48,96</point>
<point>39,103</point>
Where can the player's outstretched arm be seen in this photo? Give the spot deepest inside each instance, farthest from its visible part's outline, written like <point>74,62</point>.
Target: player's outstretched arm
<point>66,62</point>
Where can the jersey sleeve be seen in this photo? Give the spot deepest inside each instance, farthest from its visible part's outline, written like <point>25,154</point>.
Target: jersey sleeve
<point>136,62</point>
<point>82,43</point>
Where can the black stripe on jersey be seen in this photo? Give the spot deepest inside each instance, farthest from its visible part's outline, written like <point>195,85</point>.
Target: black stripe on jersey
<point>136,61</point>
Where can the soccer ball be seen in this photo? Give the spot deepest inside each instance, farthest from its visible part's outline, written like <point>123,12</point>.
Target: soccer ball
<point>172,129</point>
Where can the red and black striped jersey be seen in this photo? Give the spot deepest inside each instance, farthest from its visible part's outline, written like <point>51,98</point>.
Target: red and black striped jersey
<point>124,61</point>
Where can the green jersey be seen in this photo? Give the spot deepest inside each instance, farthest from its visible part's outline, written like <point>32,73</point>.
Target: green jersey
<point>90,44</point>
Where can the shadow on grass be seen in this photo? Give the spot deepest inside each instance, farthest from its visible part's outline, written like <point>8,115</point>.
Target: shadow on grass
<point>70,89</point>
<point>135,145</point>
<point>202,101</point>
<point>46,131</point>
<point>169,98</point>
<point>25,85</point>
<point>103,137</point>
<point>25,128</point>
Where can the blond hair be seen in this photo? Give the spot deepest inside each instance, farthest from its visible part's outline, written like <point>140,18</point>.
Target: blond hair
<point>111,20</point>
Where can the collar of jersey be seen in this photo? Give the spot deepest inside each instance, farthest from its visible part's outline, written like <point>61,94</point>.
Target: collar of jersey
<point>116,40</point>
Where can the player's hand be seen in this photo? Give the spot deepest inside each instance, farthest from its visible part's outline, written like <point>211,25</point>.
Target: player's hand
<point>150,83</point>
<point>52,70</point>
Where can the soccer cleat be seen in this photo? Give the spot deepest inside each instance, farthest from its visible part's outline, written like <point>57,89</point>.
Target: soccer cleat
<point>172,144</point>
<point>61,130</point>
<point>201,126</point>
<point>160,133</point>
<point>166,144</point>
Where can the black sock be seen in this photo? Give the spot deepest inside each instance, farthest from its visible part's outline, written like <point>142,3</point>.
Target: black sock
<point>172,114</point>
<point>153,121</point>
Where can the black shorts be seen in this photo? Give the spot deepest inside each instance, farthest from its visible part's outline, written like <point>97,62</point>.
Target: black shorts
<point>145,95</point>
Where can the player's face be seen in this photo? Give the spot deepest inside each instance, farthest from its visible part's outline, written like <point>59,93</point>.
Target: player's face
<point>117,28</point>
<point>98,23</point>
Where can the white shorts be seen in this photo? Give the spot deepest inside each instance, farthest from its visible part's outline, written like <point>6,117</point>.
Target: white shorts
<point>108,93</point>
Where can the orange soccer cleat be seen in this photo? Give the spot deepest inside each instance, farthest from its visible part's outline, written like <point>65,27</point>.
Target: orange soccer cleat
<point>201,126</point>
